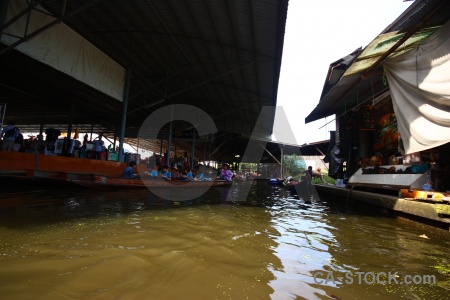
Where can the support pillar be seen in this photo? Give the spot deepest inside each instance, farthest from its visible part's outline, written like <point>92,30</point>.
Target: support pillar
<point>69,126</point>
<point>115,138</point>
<point>193,148</point>
<point>169,141</point>
<point>126,91</point>
<point>281,161</point>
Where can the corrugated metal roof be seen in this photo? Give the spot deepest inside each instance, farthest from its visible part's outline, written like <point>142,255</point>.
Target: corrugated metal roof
<point>221,56</point>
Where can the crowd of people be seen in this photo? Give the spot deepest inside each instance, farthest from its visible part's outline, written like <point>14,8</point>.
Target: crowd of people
<point>11,139</point>
<point>199,173</point>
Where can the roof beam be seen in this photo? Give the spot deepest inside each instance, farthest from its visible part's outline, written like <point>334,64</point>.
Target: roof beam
<point>193,86</point>
<point>47,26</point>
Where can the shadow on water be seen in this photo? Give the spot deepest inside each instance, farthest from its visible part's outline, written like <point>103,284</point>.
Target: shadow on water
<point>38,198</point>
<point>22,200</point>
<point>61,203</point>
<point>47,204</point>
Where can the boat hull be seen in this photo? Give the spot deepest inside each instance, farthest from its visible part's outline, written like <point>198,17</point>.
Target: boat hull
<point>102,181</point>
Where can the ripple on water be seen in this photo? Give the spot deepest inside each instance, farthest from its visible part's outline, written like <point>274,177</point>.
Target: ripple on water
<point>267,246</point>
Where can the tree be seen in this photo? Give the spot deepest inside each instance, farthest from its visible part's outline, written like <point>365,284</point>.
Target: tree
<point>293,165</point>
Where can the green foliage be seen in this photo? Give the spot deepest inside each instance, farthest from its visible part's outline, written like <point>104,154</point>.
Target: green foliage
<point>326,178</point>
<point>293,165</point>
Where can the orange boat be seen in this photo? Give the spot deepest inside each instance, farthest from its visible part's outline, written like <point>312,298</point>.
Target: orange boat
<point>417,194</point>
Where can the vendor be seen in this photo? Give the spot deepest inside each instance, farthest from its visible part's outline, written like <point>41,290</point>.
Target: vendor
<point>225,173</point>
<point>98,146</point>
<point>128,172</point>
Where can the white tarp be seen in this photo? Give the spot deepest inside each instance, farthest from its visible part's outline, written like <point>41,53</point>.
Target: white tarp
<point>65,50</point>
<point>419,81</point>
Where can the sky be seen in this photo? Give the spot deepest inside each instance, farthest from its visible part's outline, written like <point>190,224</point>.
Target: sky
<point>319,33</point>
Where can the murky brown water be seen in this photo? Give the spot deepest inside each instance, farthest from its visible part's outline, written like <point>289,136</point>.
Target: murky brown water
<point>68,244</point>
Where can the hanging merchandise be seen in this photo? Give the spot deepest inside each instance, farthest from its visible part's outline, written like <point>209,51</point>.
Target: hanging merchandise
<point>387,132</point>
<point>367,117</point>
<point>368,113</point>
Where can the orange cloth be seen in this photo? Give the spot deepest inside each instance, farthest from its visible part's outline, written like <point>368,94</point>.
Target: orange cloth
<point>76,135</point>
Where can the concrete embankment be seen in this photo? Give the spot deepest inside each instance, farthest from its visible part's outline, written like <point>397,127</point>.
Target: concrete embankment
<point>435,214</point>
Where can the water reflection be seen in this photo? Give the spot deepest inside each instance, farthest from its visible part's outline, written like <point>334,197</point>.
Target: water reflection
<point>225,244</point>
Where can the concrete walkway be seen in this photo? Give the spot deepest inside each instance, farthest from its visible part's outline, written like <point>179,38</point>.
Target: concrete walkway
<point>435,214</point>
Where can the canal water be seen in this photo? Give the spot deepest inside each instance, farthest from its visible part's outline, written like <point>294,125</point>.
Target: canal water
<point>244,242</point>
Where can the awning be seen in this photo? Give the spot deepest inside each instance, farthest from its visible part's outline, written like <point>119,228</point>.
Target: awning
<point>363,80</point>
<point>420,87</point>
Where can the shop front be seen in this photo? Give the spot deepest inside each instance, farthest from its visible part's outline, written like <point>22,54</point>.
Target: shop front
<point>392,109</point>
<point>374,155</point>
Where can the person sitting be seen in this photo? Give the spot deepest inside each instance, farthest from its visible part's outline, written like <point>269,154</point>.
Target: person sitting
<point>128,172</point>
<point>165,173</point>
<point>199,175</point>
<point>175,174</point>
<point>225,173</point>
<point>152,172</point>
<point>186,175</point>
<point>208,174</point>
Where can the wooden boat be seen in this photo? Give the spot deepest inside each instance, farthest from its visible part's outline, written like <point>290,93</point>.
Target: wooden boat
<point>417,194</point>
<point>103,181</point>
<point>106,181</point>
<point>290,185</point>
<point>294,185</point>
<point>276,181</point>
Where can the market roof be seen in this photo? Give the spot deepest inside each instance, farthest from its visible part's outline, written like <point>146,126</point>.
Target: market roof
<point>357,79</point>
<point>221,56</point>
